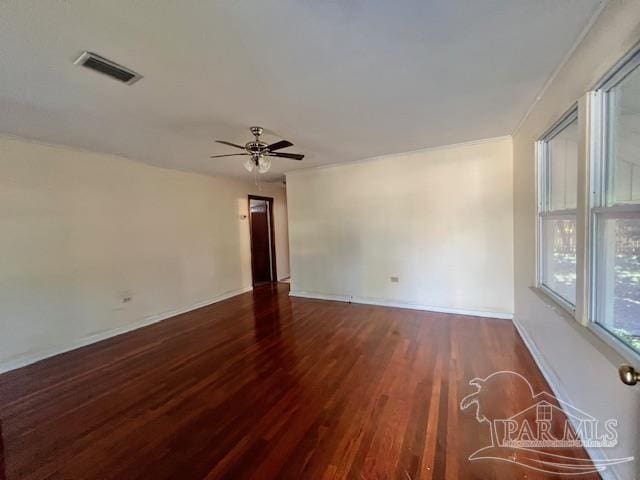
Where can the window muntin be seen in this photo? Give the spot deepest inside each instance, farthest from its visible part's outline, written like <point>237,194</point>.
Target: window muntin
<point>558,169</point>
<point>616,208</point>
<point>544,413</point>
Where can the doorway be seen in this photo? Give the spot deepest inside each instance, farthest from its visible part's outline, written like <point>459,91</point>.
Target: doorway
<point>263,247</point>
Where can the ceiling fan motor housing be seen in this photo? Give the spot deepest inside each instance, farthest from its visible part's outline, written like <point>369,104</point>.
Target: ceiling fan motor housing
<point>256,148</point>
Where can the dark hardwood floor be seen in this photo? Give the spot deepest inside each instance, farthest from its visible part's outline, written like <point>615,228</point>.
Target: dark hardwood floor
<point>267,386</point>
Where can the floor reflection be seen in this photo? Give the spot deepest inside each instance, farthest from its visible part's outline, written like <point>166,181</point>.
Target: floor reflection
<point>273,332</point>
<point>266,311</point>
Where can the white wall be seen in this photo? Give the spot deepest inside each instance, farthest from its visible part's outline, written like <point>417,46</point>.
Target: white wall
<point>81,230</point>
<point>582,370</point>
<point>440,220</point>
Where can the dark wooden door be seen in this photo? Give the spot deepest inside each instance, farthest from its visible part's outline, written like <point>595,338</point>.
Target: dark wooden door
<point>262,248</point>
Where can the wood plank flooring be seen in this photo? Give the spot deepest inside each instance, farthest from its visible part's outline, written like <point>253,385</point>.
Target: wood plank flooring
<point>266,386</point>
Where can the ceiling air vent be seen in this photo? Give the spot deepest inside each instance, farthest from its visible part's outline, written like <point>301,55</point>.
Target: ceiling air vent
<point>107,67</point>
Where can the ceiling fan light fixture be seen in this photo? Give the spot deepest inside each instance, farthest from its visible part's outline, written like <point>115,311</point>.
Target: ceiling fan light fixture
<point>264,164</point>
<point>248,165</point>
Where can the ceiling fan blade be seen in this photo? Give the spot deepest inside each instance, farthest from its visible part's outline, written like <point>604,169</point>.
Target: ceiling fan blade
<point>228,155</point>
<point>230,144</point>
<point>279,145</point>
<point>293,156</point>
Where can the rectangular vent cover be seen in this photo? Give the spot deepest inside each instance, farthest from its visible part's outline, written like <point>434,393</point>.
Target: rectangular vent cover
<point>107,67</point>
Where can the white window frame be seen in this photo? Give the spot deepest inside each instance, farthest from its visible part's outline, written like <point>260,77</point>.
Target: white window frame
<point>602,194</point>
<point>543,203</point>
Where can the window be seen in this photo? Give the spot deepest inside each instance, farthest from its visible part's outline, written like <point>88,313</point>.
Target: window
<point>544,412</point>
<point>558,182</point>
<point>615,206</point>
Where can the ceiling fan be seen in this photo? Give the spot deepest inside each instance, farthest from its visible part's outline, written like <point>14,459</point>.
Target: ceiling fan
<point>260,152</point>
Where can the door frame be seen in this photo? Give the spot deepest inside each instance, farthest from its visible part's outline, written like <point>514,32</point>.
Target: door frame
<point>274,270</point>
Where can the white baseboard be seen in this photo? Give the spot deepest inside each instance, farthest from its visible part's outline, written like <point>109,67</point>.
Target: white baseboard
<point>43,354</point>
<point>561,393</point>
<point>396,304</point>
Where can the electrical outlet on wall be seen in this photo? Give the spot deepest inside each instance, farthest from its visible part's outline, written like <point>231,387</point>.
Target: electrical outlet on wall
<point>126,297</point>
<point>394,279</point>
<point>122,300</point>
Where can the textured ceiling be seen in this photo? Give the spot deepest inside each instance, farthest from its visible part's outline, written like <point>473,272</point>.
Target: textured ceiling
<point>343,80</point>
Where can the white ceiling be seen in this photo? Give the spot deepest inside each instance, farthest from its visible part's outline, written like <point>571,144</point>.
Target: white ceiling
<point>341,79</point>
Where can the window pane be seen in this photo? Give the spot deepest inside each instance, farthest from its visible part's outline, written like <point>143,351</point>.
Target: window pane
<point>624,140</point>
<point>559,256</point>
<point>563,168</point>
<point>618,280</point>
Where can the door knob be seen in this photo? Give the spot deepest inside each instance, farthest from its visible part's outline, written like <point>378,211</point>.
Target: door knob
<point>629,375</point>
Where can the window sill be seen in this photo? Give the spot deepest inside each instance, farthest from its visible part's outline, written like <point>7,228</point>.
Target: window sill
<point>628,354</point>
<point>597,340</point>
<point>556,301</point>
